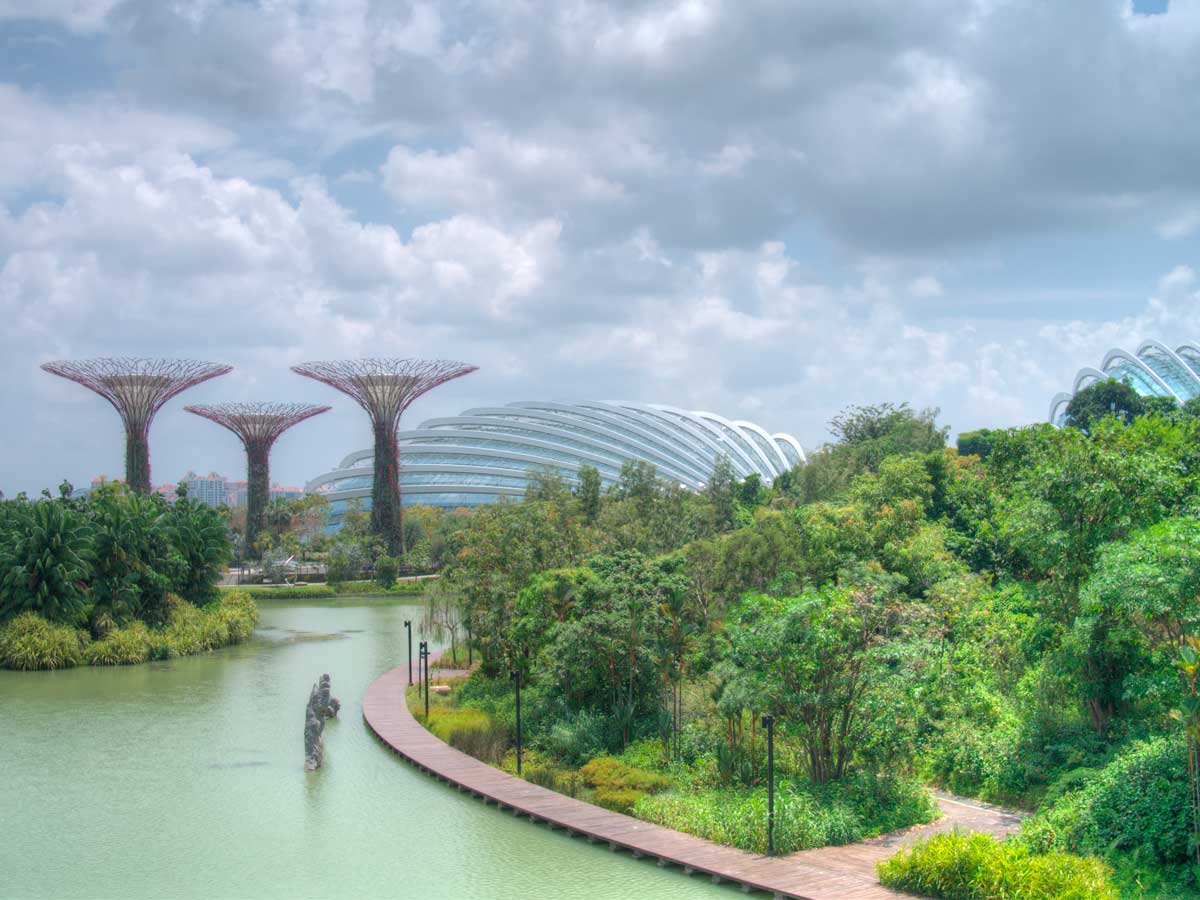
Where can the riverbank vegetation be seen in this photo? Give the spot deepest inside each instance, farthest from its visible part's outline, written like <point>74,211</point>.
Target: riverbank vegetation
<point>332,591</point>
<point>1013,624</point>
<point>114,578</point>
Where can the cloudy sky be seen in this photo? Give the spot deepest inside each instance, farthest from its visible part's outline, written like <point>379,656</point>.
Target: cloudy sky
<point>765,208</point>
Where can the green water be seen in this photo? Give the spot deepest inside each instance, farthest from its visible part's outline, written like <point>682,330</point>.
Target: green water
<point>186,779</point>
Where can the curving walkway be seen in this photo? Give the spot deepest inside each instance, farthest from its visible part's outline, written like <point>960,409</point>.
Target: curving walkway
<point>830,873</point>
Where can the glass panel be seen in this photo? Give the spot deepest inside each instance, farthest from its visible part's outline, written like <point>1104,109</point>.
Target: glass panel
<point>1183,382</point>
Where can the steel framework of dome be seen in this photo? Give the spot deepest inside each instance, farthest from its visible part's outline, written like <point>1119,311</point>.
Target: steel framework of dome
<point>137,388</point>
<point>492,452</point>
<point>1153,370</point>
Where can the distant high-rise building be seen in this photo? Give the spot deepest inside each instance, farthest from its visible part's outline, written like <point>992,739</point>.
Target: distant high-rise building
<point>211,489</point>
<point>284,492</point>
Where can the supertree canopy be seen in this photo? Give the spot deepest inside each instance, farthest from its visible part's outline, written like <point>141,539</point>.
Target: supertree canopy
<point>259,426</point>
<point>385,388</point>
<point>137,388</point>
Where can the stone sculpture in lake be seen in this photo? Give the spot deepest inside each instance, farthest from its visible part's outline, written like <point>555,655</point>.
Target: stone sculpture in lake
<point>321,706</point>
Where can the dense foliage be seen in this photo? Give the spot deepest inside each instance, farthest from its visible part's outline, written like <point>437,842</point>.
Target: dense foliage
<point>110,578</point>
<point>1006,622</point>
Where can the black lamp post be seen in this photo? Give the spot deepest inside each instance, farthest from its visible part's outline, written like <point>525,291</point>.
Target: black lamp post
<point>516,675</point>
<point>408,628</point>
<point>425,662</point>
<point>769,721</point>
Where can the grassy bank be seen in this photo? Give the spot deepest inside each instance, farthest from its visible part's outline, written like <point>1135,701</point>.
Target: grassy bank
<point>691,796</point>
<point>330,591</point>
<point>29,642</point>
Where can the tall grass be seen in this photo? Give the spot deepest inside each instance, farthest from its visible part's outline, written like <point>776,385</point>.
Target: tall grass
<point>805,816</point>
<point>30,642</point>
<point>978,867</point>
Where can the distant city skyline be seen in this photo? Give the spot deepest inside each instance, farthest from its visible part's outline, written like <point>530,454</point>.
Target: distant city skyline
<point>213,489</point>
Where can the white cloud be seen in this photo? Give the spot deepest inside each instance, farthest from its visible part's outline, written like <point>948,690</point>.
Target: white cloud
<point>77,15</point>
<point>925,286</point>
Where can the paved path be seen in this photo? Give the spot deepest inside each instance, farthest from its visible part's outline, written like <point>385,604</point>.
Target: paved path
<point>830,873</point>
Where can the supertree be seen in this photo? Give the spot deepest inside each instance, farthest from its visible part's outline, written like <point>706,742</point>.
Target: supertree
<point>137,388</point>
<point>259,426</point>
<point>385,388</point>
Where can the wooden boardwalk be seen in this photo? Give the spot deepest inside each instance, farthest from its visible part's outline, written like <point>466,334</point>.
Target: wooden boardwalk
<point>831,873</point>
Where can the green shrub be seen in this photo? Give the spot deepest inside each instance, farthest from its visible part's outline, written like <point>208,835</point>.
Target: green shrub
<point>1139,802</point>
<point>978,867</point>
<point>577,739</point>
<point>30,642</point>
<point>618,799</point>
<point>387,569</point>
<point>239,614</point>
<point>472,731</point>
<point>121,647</point>
<point>607,772</point>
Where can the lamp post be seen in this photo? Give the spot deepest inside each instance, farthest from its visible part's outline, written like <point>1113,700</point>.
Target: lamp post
<point>769,721</point>
<point>516,675</point>
<point>408,628</point>
<point>425,662</point>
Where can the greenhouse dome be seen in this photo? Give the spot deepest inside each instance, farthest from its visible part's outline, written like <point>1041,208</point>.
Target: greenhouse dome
<point>488,453</point>
<point>1153,370</point>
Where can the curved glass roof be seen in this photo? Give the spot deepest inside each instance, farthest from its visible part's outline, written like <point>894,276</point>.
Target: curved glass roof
<point>1154,370</point>
<point>492,452</point>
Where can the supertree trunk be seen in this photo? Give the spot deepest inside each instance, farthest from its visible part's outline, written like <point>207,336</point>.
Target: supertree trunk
<point>137,388</point>
<point>385,388</point>
<point>258,489</point>
<point>387,514</point>
<point>137,461</point>
<point>258,425</point>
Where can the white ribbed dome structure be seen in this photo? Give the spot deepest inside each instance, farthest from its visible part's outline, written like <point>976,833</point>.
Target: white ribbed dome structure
<point>1153,370</point>
<point>492,452</point>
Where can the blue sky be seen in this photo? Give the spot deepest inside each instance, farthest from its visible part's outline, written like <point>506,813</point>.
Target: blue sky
<point>765,209</point>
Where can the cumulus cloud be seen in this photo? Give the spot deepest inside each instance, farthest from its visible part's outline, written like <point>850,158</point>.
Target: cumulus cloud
<point>770,208</point>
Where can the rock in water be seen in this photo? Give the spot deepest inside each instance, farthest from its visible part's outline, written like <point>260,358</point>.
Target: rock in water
<point>328,706</point>
<point>314,742</point>
<point>321,706</point>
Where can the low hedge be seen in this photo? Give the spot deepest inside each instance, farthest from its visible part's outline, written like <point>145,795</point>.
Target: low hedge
<point>978,867</point>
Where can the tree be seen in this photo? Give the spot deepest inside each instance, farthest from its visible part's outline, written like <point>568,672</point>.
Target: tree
<point>1151,579</point>
<point>638,483</point>
<point>721,494</point>
<point>135,564</point>
<point>881,430</point>
<point>588,493</point>
<point>1104,398</point>
<point>977,443</point>
<point>751,492</point>
<point>202,541</point>
<point>816,658</point>
<point>45,551</point>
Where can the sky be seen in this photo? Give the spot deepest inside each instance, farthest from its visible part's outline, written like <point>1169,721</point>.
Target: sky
<point>763,208</point>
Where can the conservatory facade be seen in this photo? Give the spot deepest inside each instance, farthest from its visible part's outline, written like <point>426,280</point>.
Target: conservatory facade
<point>1153,370</point>
<point>488,453</point>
